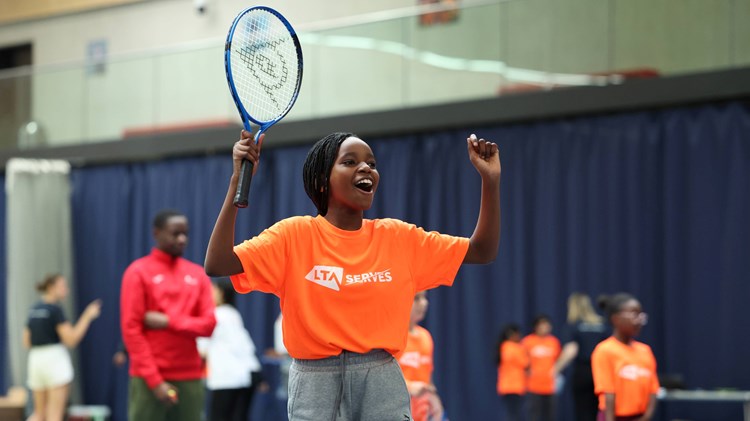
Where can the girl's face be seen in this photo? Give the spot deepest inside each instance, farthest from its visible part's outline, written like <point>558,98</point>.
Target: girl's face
<point>353,179</point>
<point>59,289</point>
<point>419,308</point>
<point>630,319</point>
<point>543,328</point>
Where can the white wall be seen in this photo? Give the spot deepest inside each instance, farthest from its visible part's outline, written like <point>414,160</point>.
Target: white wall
<point>160,23</point>
<point>137,90</point>
<point>373,66</point>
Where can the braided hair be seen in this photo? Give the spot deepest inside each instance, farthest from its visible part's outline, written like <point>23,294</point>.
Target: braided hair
<point>317,168</point>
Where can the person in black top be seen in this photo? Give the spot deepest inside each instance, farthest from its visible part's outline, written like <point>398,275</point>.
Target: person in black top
<point>47,334</point>
<point>584,331</point>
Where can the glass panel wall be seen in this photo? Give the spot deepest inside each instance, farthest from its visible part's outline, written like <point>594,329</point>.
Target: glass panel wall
<point>440,55</point>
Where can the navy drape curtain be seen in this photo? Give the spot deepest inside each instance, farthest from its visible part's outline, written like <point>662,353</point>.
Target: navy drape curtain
<point>655,203</point>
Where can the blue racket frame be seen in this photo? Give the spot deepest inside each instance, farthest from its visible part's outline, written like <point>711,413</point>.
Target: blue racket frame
<point>246,172</point>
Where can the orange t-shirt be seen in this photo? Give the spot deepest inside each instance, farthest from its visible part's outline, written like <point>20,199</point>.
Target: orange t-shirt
<point>346,290</point>
<point>628,371</point>
<point>416,358</point>
<point>511,373</point>
<point>543,352</point>
<point>416,364</point>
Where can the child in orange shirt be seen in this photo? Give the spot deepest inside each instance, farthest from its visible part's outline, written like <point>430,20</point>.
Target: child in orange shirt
<point>416,363</point>
<point>346,284</point>
<point>511,371</point>
<point>543,349</point>
<point>624,369</point>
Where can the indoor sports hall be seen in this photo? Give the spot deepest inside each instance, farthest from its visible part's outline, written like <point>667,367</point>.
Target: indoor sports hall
<point>623,129</point>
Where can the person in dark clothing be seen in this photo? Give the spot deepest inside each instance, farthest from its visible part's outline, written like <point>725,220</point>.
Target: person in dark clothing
<point>584,331</point>
<point>47,335</point>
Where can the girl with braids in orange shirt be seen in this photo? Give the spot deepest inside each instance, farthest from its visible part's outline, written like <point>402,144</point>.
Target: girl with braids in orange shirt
<point>346,284</point>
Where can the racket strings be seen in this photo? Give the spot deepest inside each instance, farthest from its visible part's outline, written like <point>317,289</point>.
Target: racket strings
<point>265,65</point>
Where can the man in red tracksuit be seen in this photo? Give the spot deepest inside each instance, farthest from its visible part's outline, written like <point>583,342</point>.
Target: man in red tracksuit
<point>165,304</point>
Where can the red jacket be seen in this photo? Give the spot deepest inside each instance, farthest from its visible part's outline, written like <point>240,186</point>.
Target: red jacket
<point>179,288</point>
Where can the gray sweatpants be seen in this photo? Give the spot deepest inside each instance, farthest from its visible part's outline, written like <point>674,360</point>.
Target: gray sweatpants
<point>373,389</point>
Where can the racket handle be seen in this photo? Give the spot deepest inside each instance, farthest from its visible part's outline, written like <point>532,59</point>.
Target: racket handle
<point>243,186</point>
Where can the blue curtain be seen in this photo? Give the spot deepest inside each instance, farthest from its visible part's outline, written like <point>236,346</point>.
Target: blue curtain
<point>113,207</point>
<point>654,203</point>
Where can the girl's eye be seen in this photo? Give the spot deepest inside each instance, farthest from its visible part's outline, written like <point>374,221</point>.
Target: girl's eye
<point>348,162</point>
<point>372,164</point>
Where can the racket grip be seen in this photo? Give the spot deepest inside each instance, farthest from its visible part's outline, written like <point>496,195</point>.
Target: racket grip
<point>243,186</point>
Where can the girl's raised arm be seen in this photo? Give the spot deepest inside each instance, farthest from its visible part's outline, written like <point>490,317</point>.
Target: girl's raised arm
<point>484,242</point>
<point>220,257</point>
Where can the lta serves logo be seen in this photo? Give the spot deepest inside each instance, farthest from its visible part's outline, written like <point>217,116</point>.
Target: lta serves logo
<point>333,276</point>
<point>327,276</point>
<point>633,372</point>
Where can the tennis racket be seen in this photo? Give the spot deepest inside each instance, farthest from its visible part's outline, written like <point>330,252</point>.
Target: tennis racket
<point>263,61</point>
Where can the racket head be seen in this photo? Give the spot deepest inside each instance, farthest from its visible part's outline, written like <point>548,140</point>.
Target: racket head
<point>263,62</point>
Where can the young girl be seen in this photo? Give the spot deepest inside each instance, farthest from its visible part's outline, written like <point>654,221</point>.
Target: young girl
<point>511,371</point>
<point>416,364</point>
<point>624,369</point>
<point>584,331</point>
<point>345,283</point>
<point>543,349</point>
<point>47,333</point>
<point>234,372</point>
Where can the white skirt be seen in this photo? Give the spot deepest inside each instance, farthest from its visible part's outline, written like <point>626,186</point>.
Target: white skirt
<point>49,366</point>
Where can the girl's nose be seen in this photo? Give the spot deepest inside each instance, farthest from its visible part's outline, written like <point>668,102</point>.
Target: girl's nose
<point>365,167</point>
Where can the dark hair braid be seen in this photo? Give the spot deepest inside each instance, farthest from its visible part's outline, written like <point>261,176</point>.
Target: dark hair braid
<point>317,168</point>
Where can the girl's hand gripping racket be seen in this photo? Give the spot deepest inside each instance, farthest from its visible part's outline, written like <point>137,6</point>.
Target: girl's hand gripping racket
<point>263,61</point>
